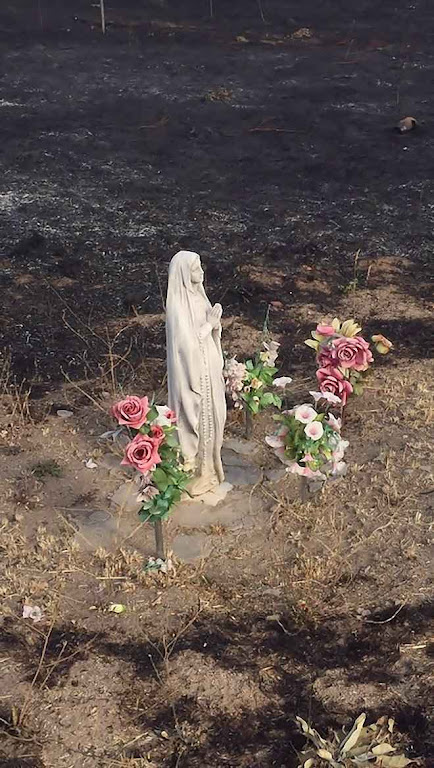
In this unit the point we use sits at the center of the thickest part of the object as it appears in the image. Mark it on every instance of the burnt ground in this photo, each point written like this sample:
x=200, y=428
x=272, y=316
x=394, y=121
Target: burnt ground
x=274, y=156
x=117, y=151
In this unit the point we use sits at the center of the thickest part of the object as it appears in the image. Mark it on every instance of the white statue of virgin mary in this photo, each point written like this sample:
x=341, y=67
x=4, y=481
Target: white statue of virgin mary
x=195, y=371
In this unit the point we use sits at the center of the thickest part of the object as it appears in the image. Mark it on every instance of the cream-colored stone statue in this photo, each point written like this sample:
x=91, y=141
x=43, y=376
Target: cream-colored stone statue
x=194, y=371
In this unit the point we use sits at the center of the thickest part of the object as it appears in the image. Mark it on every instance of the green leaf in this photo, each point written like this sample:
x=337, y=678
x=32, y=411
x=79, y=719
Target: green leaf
x=152, y=414
x=249, y=365
x=159, y=515
x=267, y=399
x=160, y=479
x=161, y=503
x=254, y=373
x=172, y=440
x=117, y=608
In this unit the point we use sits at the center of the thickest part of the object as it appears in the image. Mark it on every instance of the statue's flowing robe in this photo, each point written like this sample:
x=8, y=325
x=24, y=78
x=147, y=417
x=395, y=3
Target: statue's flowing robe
x=195, y=371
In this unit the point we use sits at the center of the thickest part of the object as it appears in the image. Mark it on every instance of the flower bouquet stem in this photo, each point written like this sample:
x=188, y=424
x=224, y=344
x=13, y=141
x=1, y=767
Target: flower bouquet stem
x=160, y=549
x=304, y=490
x=248, y=421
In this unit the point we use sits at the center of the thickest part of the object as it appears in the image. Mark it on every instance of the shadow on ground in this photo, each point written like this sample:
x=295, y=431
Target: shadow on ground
x=300, y=654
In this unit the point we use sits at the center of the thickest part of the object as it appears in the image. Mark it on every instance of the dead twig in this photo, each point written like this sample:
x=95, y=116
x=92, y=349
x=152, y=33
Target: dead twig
x=61, y=659
x=159, y=124
x=25, y=706
x=160, y=286
x=83, y=392
x=183, y=630
x=76, y=530
x=261, y=12
x=74, y=314
x=264, y=128
x=386, y=621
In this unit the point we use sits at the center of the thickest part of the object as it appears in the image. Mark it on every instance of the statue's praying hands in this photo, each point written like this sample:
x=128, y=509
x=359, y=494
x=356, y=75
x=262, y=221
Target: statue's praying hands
x=214, y=315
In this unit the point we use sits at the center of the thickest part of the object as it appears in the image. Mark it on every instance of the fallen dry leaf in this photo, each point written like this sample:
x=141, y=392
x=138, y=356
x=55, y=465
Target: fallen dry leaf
x=406, y=124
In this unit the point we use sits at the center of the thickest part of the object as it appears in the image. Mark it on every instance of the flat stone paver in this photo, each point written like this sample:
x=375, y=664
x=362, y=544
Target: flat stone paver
x=190, y=546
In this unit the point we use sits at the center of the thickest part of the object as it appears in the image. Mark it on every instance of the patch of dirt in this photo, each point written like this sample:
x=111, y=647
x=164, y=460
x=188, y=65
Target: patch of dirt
x=216, y=689
x=89, y=696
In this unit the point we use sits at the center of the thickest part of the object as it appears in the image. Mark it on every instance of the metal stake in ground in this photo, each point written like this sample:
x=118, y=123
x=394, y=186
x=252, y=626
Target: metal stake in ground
x=160, y=552
x=304, y=490
x=102, y=16
x=248, y=417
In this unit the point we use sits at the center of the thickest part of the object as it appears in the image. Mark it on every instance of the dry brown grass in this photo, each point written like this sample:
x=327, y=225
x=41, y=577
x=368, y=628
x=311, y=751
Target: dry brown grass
x=372, y=524
x=33, y=570
x=14, y=397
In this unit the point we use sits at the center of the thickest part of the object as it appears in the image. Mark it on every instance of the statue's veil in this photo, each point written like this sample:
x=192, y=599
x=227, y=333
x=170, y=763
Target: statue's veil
x=183, y=352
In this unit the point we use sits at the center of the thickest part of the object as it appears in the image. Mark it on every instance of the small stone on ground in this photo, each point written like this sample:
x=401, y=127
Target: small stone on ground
x=63, y=414
x=189, y=546
x=239, y=470
x=96, y=529
x=244, y=447
x=125, y=497
x=112, y=462
x=274, y=475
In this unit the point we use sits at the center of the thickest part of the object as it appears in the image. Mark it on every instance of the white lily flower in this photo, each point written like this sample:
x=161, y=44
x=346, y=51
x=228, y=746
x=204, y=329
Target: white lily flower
x=329, y=396
x=162, y=419
x=305, y=413
x=274, y=441
x=282, y=381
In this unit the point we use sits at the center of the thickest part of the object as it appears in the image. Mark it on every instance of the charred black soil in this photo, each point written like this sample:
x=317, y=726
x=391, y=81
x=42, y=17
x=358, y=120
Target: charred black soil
x=118, y=150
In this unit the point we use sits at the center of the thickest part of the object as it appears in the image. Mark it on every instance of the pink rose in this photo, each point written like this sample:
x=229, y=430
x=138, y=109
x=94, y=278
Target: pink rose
x=142, y=453
x=132, y=411
x=353, y=353
x=325, y=330
x=157, y=433
x=332, y=380
x=327, y=357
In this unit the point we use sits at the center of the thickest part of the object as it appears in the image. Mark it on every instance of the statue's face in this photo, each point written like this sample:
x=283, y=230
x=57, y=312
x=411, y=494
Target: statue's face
x=196, y=273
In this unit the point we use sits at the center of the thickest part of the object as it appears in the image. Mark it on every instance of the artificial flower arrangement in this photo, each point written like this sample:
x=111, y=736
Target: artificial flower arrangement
x=154, y=451
x=344, y=356
x=309, y=441
x=250, y=384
